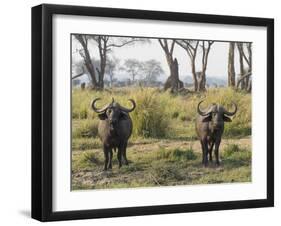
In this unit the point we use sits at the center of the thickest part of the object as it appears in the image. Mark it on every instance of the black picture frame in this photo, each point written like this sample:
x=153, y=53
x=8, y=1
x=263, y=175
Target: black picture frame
x=42, y=111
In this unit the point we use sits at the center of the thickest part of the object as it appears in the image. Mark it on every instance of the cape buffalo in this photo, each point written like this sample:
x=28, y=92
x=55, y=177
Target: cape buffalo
x=114, y=130
x=209, y=128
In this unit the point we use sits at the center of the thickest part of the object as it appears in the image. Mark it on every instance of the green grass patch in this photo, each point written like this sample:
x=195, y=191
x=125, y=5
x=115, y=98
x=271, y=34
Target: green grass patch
x=176, y=154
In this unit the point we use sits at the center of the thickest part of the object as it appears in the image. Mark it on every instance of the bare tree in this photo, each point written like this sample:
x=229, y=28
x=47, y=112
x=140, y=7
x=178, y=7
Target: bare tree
x=231, y=67
x=244, y=82
x=112, y=66
x=191, y=47
x=152, y=69
x=85, y=54
x=133, y=67
x=173, y=80
x=105, y=44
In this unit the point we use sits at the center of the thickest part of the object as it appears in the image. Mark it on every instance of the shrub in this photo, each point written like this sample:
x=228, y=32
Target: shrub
x=176, y=154
x=175, y=114
x=149, y=118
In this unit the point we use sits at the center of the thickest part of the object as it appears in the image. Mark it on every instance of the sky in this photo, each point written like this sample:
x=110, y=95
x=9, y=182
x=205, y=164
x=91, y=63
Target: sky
x=217, y=61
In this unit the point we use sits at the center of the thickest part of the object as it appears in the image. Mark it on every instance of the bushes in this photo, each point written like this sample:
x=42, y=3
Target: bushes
x=149, y=119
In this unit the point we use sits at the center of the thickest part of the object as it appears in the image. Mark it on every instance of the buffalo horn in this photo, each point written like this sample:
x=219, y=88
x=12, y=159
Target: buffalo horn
x=201, y=112
x=129, y=110
x=101, y=110
x=231, y=113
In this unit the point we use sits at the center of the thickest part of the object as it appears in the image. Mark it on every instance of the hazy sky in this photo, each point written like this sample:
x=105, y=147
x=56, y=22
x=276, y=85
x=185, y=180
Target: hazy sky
x=217, y=61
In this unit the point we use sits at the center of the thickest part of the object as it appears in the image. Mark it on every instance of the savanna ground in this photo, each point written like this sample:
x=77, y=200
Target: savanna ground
x=163, y=149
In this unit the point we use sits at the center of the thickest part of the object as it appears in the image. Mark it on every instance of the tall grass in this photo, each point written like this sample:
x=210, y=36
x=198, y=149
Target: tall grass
x=161, y=114
x=150, y=118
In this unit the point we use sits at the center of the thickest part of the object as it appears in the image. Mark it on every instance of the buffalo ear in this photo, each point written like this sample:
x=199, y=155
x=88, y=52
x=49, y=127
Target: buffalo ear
x=102, y=116
x=123, y=115
x=226, y=119
x=208, y=118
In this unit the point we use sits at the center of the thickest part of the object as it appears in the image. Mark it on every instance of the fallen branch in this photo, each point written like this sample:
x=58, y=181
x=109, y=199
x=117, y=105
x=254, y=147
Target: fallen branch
x=154, y=179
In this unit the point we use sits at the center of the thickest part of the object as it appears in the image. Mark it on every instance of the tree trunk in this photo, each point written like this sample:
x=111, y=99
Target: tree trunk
x=248, y=82
x=194, y=74
x=173, y=80
x=201, y=78
x=90, y=68
x=231, y=68
x=87, y=60
x=242, y=70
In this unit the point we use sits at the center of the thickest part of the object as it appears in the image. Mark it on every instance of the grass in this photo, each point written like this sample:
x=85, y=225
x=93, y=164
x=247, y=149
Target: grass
x=176, y=154
x=161, y=114
x=160, y=167
x=163, y=149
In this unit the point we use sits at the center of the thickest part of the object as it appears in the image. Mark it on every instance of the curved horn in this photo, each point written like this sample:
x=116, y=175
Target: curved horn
x=231, y=113
x=129, y=110
x=201, y=112
x=101, y=110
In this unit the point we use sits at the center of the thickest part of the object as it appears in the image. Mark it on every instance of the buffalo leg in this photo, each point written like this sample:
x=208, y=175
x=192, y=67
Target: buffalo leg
x=119, y=152
x=106, y=157
x=205, y=153
x=110, y=159
x=217, y=145
x=211, y=152
x=124, y=154
x=204, y=145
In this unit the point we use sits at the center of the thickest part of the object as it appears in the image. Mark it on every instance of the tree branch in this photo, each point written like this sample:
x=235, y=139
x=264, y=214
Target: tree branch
x=242, y=78
x=124, y=43
x=80, y=74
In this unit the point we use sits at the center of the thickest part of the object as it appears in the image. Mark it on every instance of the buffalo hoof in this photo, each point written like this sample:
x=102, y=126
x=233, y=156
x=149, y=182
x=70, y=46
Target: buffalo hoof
x=217, y=163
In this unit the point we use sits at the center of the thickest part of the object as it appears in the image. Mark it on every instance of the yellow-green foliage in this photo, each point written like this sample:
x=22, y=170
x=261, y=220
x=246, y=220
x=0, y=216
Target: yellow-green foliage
x=161, y=114
x=150, y=118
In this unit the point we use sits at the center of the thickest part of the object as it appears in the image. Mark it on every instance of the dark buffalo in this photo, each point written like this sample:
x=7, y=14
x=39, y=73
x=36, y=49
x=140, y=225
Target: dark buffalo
x=210, y=127
x=115, y=128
